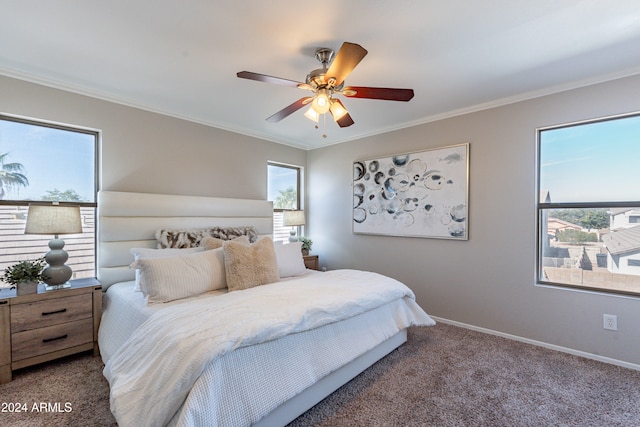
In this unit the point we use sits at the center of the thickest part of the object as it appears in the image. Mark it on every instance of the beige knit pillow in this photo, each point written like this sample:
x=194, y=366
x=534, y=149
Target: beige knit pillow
x=209, y=243
x=249, y=266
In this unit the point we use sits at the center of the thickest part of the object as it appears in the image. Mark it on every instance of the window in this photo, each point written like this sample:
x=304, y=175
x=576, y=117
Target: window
x=284, y=191
x=42, y=162
x=588, y=204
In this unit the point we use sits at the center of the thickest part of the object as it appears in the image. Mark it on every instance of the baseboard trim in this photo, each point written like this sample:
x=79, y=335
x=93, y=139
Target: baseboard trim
x=599, y=358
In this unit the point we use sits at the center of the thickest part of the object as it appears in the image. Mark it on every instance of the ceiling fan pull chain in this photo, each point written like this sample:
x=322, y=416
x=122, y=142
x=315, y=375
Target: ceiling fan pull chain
x=324, y=125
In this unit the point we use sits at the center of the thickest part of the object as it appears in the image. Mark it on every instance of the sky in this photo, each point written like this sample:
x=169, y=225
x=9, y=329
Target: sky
x=52, y=159
x=280, y=178
x=595, y=162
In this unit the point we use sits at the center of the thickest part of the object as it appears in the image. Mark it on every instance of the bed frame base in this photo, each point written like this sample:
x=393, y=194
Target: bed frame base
x=298, y=405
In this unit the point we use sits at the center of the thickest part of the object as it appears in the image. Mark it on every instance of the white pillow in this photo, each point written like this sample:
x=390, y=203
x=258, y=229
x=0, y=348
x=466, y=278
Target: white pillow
x=181, y=276
x=290, y=261
x=139, y=253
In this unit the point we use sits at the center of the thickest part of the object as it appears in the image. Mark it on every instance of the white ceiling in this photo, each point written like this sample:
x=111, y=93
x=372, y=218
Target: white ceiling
x=181, y=57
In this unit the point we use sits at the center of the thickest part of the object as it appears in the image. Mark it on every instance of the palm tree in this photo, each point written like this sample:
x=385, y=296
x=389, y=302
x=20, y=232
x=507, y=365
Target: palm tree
x=288, y=199
x=11, y=175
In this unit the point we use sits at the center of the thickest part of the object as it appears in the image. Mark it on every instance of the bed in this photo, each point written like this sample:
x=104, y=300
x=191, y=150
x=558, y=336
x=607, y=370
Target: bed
x=165, y=362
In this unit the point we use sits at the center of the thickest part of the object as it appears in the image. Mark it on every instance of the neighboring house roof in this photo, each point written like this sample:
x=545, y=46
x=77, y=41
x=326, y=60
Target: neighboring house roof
x=620, y=242
x=555, y=224
x=545, y=196
x=618, y=211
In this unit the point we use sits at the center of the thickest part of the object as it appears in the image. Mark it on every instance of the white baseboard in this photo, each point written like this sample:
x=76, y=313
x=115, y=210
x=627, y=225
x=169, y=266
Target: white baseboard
x=541, y=344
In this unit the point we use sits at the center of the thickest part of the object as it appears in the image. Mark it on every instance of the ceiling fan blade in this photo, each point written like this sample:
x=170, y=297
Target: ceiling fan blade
x=349, y=55
x=345, y=121
x=388, y=94
x=286, y=111
x=267, y=79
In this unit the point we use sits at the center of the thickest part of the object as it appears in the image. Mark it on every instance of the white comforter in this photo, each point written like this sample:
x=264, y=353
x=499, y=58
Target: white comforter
x=151, y=375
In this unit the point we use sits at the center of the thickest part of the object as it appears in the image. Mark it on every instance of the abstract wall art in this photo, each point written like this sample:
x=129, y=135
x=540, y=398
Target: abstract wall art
x=419, y=194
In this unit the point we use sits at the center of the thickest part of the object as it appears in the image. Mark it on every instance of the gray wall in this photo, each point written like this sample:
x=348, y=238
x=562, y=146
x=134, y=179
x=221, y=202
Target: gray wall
x=487, y=281
x=148, y=152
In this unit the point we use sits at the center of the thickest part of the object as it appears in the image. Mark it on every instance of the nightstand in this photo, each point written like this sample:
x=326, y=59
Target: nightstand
x=43, y=326
x=311, y=262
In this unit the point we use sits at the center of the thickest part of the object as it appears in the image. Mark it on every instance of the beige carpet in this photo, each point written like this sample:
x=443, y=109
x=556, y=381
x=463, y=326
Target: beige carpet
x=443, y=376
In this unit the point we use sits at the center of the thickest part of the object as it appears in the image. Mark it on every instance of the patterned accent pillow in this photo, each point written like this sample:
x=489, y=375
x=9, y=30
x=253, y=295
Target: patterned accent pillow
x=193, y=237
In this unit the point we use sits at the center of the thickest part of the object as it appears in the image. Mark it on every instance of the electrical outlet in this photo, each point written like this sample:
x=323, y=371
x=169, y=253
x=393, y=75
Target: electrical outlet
x=610, y=322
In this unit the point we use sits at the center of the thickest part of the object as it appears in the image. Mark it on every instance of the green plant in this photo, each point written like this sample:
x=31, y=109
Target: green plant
x=24, y=271
x=576, y=236
x=306, y=243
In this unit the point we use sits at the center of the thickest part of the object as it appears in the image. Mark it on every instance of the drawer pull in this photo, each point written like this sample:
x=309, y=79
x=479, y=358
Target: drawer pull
x=47, y=313
x=61, y=337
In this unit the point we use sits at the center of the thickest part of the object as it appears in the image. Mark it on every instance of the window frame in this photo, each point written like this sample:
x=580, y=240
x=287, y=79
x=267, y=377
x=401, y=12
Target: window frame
x=92, y=205
x=298, y=170
x=299, y=193
x=68, y=128
x=542, y=207
x=633, y=262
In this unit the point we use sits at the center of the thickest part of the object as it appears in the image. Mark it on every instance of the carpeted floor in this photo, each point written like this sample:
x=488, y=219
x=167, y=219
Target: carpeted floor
x=443, y=376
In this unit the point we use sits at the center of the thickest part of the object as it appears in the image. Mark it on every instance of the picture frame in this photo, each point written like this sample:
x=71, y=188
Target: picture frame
x=418, y=194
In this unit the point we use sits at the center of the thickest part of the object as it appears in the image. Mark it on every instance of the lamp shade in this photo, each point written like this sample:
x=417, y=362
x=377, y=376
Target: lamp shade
x=53, y=219
x=311, y=114
x=337, y=110
x=293, y=218
x=321, y=102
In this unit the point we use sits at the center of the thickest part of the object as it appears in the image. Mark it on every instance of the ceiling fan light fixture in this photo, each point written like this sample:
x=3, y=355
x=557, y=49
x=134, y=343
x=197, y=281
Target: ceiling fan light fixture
x=312, y=114
x=321, y=103
x=328, y=81
x=337, y=110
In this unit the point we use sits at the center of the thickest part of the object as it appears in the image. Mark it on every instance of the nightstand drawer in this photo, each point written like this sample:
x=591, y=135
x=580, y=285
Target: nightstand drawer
x=52, y=338
x=311, y=262
x=40, y=314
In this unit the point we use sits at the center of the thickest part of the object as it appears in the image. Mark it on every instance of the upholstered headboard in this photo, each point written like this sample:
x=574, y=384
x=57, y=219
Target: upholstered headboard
x=128, y=220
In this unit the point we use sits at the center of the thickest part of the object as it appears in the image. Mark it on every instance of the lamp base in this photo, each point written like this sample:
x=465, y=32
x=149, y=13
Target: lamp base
x=56, y=287
x=57, y=273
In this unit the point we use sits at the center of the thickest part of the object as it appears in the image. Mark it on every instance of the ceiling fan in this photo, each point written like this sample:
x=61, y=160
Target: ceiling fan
x=327, y=82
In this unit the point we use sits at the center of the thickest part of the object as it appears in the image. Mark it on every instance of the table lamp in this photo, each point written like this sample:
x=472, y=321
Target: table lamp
x=294, y=219
x=55, y=219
